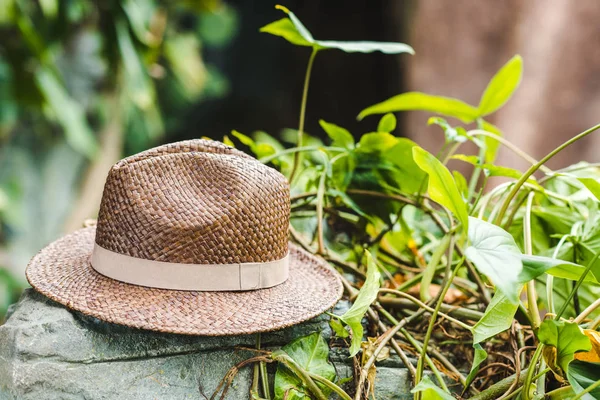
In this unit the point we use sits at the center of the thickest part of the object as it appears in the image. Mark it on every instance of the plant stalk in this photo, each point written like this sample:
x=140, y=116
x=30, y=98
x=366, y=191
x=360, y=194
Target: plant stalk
x=303, y=111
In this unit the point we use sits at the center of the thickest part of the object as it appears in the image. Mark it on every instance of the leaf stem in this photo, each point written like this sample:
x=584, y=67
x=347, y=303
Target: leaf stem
x=532, y=308
x=588, y=389
x=537, y=166
x=300, y=372
x=303, y=110
x=576, y=287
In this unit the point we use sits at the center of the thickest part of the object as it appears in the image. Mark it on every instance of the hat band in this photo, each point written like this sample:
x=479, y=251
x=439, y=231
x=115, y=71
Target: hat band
x=198, y=277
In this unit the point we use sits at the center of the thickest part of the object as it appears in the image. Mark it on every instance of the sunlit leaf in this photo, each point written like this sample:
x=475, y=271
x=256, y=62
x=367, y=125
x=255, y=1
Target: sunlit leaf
x=491, y=144
x=534, y=266
x=285, y=28
x=340, y=136
x=592, y=185
x=442, y=187
x=311, y=353
x=502, y=86
x=338, y=328
x=497, y=318
x=387, y=123
x=366, y=296
x=566, y=337
x=425, y=102
x=365, y=47
x=430, y=390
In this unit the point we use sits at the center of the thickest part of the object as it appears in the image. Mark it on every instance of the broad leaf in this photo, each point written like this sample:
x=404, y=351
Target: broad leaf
x=340, y=136
x=497, y=318
x=479, y=356
x=442, y=188
x=566, y=337
x=366, y=296
x=338, y=328
x=387, y=123
x=502, y=86
x=495, y=253
x=311, y=353
x=296, y=33
x=431, y=391
x=583, y=374
x=461, y=183
x=421, y=101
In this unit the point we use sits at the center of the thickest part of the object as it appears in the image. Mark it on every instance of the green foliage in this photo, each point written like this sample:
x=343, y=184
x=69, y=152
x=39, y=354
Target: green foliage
x=501, y=87
x=479, y=356
x=498, y=317
x=566, y=338
x=367, y=295
x=296, y=33
x=430, y=391
x=311, y=353
x=582, y=375
x=442, y=187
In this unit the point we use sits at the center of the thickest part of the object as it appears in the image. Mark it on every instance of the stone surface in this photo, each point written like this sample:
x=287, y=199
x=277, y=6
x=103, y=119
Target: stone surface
x=48, y=352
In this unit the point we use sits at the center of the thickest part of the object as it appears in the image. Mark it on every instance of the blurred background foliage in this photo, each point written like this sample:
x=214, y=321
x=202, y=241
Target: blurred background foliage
x=84, y=83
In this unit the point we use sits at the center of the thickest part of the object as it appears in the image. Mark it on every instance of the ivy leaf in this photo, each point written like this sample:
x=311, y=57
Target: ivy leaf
x=583, y=374
x=479, y=357
x=501, y=87
x=311, y=353
x=431, y=391
x=442, y=187
x=387, y=123
x=366, y=296
x=409, y=101
x=296, y=33
x=566, y=338
x=497, y=318
x=340, y=136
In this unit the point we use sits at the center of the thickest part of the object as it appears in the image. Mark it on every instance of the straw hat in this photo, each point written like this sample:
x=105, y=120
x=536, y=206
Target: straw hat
x=191, y=238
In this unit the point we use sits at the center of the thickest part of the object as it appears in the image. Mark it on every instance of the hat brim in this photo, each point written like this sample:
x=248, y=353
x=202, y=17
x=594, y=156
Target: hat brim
x=62, y=271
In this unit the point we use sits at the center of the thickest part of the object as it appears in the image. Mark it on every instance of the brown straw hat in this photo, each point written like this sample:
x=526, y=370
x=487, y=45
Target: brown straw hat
x=192, y=238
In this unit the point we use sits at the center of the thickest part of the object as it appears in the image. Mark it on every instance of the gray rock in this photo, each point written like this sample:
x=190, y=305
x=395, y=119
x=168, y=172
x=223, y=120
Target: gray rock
x=49, y=352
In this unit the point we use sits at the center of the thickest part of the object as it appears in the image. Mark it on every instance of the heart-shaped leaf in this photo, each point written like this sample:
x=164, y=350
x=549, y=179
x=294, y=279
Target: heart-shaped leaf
x=566, y=337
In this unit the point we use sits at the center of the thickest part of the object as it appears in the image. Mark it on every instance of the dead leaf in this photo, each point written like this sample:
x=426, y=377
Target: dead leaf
x=594, y=354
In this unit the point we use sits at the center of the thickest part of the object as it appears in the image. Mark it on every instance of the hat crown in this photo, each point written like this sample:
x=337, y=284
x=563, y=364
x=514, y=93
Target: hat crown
x=195, y=202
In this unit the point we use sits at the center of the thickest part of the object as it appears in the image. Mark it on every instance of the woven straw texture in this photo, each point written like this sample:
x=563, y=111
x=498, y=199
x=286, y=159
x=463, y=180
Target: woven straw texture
x=62, y=271
x=193, y=202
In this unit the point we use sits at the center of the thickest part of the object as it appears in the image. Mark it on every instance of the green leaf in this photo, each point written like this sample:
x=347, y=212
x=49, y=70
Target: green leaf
x=338, y=328
x=583, y=374
x=259, y=149
x=497, y=318
x=566, y=337
x=340, y=136
x=592, y=185
x=491, y=144
x=457, y=134
x=502, y=86
x=311, y=353
x=432, y=265
x=68, y=112
x=285, y=28
x=376, y=142
x=296, y=33
x=387, y=123
x=479, y=356
x=183, y=54
x=534, y=266
x=442, y=187
x=425, y=102
x=366, y=296
x=431, y=391
x=365, y=47
x=495, y=253
x=461, y=183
